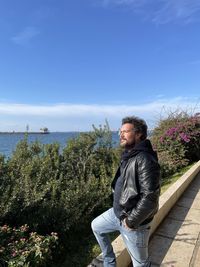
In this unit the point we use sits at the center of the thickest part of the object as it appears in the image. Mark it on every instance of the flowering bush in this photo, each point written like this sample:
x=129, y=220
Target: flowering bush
x=19, y=247
x=177, y=140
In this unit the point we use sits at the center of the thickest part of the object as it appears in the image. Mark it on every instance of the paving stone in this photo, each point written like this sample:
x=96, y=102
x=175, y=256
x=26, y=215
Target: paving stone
x=197, y=259
x=196, y=254
x=168, y=252
x=190, y=194
x=196, y=181
x=194, y=187
x=189, y=202
x=185, y=231
x=158, y=248
x=195, y=184
x=181, y=252
x=180, y=213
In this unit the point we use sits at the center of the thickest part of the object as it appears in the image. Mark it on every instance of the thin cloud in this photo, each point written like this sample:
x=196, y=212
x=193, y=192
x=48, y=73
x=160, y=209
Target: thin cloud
x=79, y=117
x=161, y=11
x=133, y=3
x=25, y=36
x=80, y=110
x=184, y=10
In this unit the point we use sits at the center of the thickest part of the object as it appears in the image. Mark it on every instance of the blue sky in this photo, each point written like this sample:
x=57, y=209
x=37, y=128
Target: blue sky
x=69, y=64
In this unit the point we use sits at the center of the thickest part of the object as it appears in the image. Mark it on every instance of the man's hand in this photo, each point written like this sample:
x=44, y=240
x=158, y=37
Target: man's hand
x=125, y=225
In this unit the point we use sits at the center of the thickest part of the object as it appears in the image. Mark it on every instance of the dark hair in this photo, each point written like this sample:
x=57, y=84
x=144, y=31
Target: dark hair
x=140, y=125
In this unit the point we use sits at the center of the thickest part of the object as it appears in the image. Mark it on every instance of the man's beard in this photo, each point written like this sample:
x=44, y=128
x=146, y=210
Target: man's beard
x=127, y=146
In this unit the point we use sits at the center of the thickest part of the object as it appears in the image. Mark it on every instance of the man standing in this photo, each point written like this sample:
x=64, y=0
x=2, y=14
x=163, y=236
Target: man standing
x=136, y=189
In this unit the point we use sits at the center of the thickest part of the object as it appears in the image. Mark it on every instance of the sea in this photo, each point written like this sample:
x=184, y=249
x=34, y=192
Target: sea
x=8, y=141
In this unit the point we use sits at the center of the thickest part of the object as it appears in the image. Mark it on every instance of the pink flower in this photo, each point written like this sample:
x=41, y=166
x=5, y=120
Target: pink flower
x=171, y=131
x=161, y=139
x=4, y=228
x=24, y=228
x=54, y=233
x=14, y=254
x=184, y=137
x=2, y=249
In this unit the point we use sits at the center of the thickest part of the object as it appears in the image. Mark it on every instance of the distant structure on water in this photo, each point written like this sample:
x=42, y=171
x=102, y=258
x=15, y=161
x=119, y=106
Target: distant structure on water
x=44, y=130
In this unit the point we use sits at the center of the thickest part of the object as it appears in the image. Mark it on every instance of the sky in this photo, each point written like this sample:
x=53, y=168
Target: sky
x=68, y=64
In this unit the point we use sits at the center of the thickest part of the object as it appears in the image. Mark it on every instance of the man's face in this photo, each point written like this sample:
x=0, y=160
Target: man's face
x=128, y=137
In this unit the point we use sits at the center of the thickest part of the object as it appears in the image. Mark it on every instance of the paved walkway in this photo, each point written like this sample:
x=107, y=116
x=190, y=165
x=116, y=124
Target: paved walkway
x=176, y=242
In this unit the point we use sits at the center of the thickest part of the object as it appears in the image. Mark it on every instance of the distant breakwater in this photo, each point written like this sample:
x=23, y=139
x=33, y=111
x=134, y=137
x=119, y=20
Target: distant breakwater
x=24, y=133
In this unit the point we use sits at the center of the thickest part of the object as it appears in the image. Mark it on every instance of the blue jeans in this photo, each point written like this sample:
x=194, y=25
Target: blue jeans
x=136, y=241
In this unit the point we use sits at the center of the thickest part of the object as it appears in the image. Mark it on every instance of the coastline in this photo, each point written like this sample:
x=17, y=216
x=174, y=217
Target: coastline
x=24, y=132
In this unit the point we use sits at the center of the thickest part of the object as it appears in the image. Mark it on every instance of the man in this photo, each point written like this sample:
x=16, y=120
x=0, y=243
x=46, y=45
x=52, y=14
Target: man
x=136, y=189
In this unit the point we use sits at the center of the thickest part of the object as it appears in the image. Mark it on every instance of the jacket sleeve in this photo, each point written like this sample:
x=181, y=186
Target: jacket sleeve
x=148, y=176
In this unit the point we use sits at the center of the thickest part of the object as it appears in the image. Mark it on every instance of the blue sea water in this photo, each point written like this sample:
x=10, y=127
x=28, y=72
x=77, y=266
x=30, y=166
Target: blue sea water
x=8, y=142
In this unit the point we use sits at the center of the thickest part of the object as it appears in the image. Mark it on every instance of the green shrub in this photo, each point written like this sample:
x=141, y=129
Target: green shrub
x=53, y=191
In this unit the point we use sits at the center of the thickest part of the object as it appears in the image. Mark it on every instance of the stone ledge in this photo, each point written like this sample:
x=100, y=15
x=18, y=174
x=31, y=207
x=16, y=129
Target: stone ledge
x=166, y=202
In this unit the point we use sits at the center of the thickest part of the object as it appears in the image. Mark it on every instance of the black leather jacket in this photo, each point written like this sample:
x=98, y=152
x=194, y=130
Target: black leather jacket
x=141, y=187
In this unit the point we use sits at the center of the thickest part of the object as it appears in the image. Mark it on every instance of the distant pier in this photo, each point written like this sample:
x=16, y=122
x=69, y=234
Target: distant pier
x=44, y=130
x=24, y=132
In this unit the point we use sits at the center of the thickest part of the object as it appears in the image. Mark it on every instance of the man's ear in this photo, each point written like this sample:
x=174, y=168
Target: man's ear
x=138, y=136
